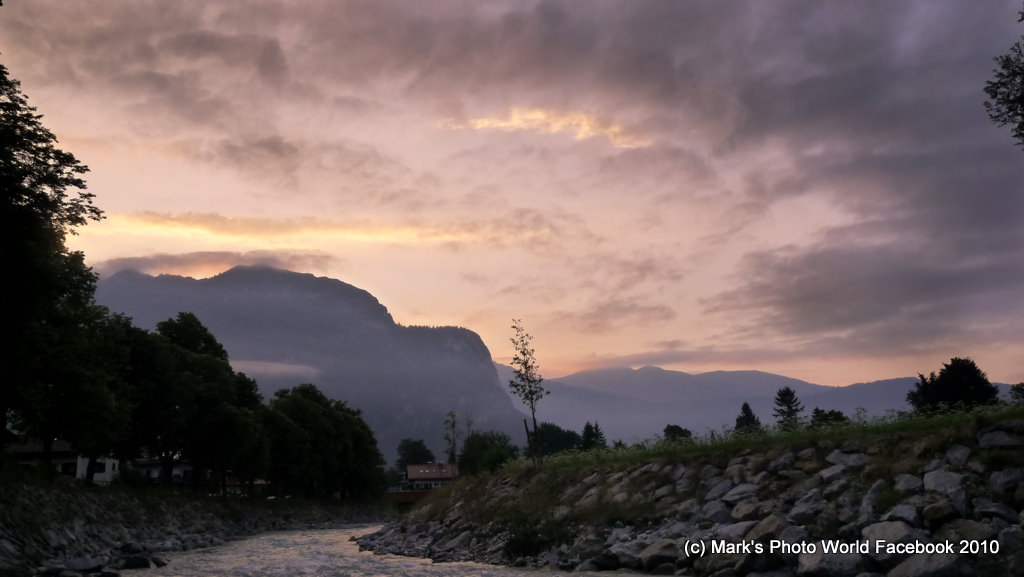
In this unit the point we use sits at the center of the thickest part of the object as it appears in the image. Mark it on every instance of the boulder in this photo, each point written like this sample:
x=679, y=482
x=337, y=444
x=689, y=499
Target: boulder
x=739, y=493
x=1004, y=481
x=906, y=484
x=999, y=440
x=891, y=532
x=718, y=490
x=832, y=473
x=659, y=553
x=849, y=460
x=957, y=455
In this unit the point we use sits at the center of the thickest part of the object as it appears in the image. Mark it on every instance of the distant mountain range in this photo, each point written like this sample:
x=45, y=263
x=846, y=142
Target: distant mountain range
x=285, y=328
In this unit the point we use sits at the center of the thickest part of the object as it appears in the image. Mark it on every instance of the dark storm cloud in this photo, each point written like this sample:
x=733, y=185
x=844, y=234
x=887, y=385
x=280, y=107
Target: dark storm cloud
x=875, y=105
x=614, y=313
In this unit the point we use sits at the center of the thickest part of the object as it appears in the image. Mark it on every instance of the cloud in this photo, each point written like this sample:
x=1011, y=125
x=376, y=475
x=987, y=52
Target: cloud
x=209, y=263
x=578, y=124
x=613, y=313
x=875, y=299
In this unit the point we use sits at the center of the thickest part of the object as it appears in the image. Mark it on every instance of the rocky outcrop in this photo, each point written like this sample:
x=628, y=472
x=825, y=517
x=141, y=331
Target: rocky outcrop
x=946, y=504
x=60, y=529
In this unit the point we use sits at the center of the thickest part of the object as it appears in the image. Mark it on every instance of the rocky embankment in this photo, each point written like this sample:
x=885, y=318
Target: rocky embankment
x=939, y=504
x=69, y=531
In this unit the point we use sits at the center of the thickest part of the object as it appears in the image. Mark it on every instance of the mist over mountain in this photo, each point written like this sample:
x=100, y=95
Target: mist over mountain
x=636, y=404
x=285, y=328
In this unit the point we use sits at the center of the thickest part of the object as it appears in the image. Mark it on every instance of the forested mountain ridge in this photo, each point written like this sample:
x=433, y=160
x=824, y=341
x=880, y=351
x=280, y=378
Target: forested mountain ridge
x=284, y=328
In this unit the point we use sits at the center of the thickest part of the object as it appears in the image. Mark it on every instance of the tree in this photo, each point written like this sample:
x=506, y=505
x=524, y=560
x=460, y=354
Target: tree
x=959, y=384
x=413, y=452
x=1017, y=394
x=821, y=418
x=787, y=409
x=1006, y=89
x=526, y=382
x=592, y=437
x=550, y=439
x=677, y=433
x=42, y=199
x=188, y=333
x=486, y=451
x=747, y=422
x=451, y=436
x=321, y=447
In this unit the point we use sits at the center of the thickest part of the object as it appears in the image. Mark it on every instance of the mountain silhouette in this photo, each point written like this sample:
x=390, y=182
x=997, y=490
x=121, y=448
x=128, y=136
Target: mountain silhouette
x=285, y=328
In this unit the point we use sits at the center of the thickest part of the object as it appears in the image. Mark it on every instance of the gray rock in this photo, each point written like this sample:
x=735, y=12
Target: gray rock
x=783, y=462
x=906, y=484
x=836, y=488
x=688, y=508
x=986, y=508
x=734, y=532
x=999, y=439
x=716, y=512
x=903, y=512
x=937, y=512
x=807, y=506
x=949, y=484
x=943, y=481
x=718, y=490
x=750, y=510
x=958, y=529
x=849, y=460
x=891, y=532
x=659, y=553
x=768, y=528
x=867, y=504
x=85, y=564
x=832, y=473
x=1004, y=481
x=627, y=553
x=739, y=493
x=957, y=455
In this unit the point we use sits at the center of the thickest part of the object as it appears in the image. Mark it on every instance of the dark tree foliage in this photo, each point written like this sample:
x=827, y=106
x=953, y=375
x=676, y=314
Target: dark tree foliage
x=960, y=384
x=677, y=433
x=1006, y=89
x=551, y=439
x=747, y=422
x=188, y=333
x=1017, y=394
x=592, y=437
x=42, y=200
x=321, y=447
x=821, y=418
x=413, y=452
x=485, y=451
x=787, y=409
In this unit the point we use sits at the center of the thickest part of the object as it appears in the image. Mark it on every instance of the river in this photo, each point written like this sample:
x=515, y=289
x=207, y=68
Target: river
x=326, y=553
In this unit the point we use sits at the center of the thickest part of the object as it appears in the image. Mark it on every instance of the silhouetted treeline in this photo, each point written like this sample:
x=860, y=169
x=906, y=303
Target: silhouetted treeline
x=76, y=372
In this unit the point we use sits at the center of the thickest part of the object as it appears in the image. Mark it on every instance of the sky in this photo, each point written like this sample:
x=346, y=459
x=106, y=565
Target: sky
x=811, y=188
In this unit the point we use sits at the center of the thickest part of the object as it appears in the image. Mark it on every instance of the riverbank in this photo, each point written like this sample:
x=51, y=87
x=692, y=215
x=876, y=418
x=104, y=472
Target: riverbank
x=774, y=510
x=55, y=527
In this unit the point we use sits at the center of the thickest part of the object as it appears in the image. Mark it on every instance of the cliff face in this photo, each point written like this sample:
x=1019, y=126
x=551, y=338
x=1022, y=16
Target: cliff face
x=946, y=503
